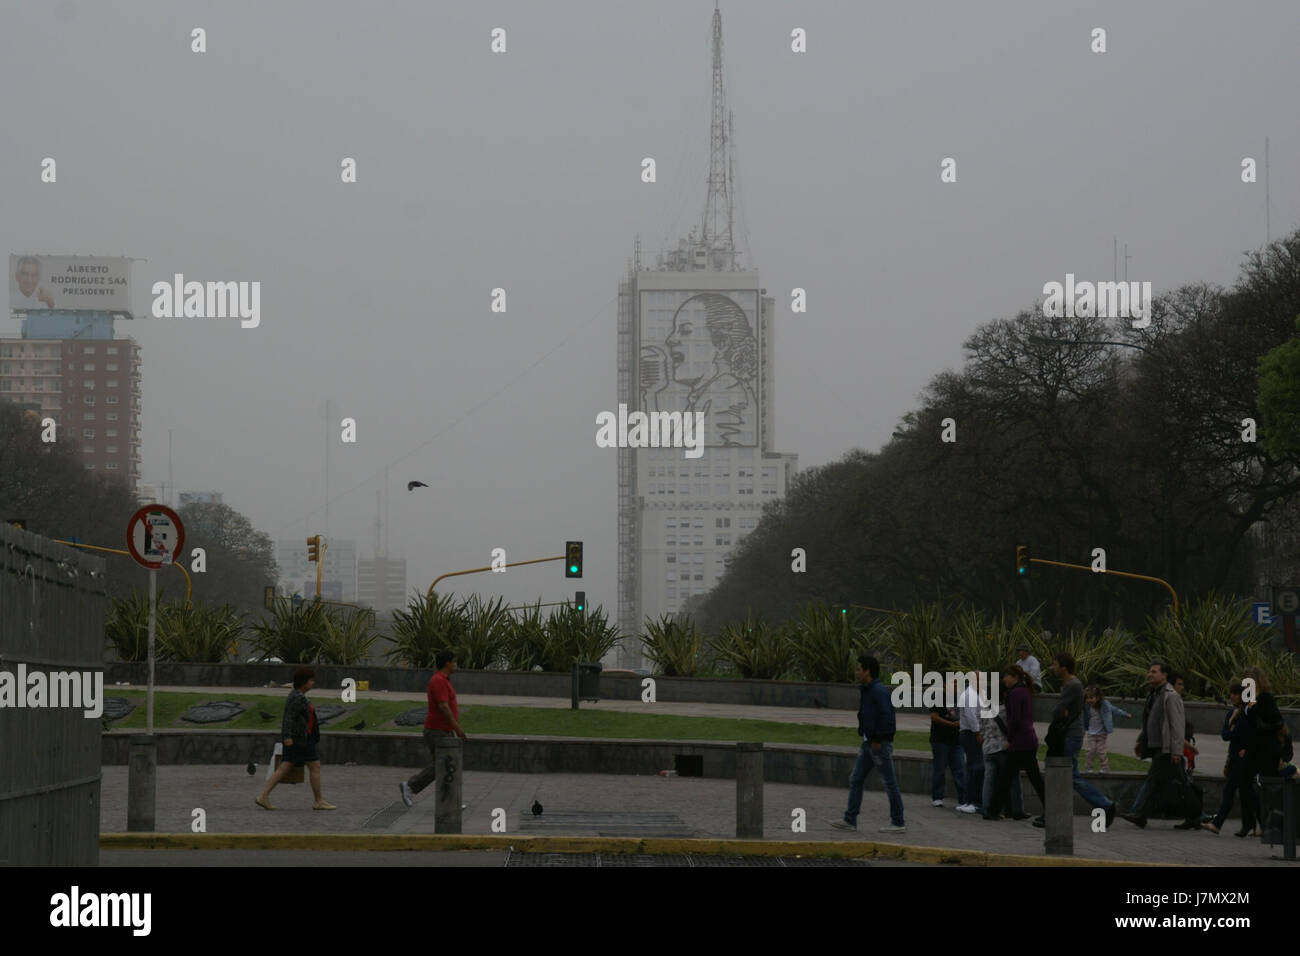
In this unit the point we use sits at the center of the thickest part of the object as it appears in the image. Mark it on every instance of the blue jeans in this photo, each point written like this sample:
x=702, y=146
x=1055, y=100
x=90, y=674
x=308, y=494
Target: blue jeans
x=948, y=756
x=995, y=765
x=868, y=758
x=1083, y=788
x=974, y=769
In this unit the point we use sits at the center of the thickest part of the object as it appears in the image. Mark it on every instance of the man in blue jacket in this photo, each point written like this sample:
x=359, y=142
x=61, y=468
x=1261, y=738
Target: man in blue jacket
x=876, y=728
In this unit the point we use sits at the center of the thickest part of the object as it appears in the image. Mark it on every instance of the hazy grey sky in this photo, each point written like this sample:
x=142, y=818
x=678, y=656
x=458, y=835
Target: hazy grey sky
x=522, y=171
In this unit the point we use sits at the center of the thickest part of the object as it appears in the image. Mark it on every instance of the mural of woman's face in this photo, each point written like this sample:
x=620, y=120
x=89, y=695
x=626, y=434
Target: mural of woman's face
x=686, y=332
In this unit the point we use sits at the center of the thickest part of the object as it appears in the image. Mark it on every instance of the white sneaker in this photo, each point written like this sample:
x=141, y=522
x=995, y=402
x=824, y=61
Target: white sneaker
x=406, y=794
x=893, y=829
x=966, y=808
x=937, y=803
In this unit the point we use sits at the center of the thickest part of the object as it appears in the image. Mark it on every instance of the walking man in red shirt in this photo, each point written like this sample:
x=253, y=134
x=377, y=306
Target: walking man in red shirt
x=441, y=721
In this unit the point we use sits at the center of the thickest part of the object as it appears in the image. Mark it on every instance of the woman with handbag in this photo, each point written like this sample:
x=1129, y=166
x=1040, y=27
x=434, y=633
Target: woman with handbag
x=301, y=733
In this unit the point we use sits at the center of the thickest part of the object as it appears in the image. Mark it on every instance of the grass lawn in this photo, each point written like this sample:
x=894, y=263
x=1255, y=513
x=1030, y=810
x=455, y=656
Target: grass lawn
x=528, y=721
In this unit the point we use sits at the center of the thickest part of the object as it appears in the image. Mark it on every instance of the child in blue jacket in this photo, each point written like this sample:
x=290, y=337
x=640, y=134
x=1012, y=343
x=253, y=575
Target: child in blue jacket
x=1098, y=721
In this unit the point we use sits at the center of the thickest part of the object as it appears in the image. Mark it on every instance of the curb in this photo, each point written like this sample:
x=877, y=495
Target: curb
x=624, y=845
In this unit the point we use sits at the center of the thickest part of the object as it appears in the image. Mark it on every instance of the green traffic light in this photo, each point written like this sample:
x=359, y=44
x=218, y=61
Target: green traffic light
x=573, y=568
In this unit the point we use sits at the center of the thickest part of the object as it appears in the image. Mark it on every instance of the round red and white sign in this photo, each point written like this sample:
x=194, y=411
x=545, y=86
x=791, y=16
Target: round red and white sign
x=155, y=536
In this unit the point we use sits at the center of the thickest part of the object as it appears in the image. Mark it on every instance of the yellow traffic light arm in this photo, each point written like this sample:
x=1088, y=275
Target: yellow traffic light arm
x=512, y=564
x=1122, y=574
x=95, y=547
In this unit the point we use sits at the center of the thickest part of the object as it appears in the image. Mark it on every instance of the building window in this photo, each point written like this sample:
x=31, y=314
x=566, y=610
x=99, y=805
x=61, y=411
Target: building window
x=88, y=384
x=671, y=542
x=672, y=559
x=111, y=383
x=111, y=416
x=110, y=433
x=88, y=433
x=699, y=577
x=111, y=450
x=90, y=400
x=110, y=400
x=111, y=350
x=88, y=416
x=88, y=350
x=111, y=466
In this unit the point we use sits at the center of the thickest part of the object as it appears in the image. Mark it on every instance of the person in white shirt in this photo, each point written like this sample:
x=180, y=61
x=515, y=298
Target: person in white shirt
x=1029, y=664
x=969, y=706
x=30, y=294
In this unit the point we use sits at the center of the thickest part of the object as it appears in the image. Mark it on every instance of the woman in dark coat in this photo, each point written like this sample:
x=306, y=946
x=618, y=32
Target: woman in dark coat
x=1238, y=729
x=1263, y=750
x=301, y=732
x=1022, y=741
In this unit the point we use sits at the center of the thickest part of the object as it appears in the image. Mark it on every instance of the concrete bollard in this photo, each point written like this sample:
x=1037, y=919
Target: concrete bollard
x=142, y=783
x=1058, y=835
x=749, y=791
x=448, y=755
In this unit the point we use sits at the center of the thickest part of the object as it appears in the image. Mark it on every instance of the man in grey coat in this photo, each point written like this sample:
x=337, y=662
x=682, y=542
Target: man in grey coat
x=1161, y=739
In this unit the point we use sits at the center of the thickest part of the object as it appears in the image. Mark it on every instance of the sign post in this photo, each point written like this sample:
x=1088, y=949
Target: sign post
x=1285, y=604
x=154, y=535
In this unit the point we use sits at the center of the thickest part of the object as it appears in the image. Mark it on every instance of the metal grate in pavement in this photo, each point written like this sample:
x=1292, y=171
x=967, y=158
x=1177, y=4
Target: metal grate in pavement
x=386, y=817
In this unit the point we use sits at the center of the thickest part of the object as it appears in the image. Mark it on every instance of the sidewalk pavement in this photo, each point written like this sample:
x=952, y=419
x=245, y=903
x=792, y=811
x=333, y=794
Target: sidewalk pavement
x=622, y=805
x=1213, y=751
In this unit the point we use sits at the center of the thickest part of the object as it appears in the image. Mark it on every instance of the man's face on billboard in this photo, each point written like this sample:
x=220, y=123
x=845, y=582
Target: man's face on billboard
x=29, y=275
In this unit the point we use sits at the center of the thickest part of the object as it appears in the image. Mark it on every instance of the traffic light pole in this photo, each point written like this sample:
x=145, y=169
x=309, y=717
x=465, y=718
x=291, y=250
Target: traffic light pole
x=512, y=564
x=1122, y=574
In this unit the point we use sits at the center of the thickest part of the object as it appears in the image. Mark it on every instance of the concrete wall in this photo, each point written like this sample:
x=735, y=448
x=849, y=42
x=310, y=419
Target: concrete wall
x=783, y=763
x=1207, y=718
x=50, y=621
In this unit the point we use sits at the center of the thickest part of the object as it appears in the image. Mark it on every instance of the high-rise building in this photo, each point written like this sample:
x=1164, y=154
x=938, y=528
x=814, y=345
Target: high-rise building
x=695, y=336
x=381, y=584
x=338, y=574
x=200, y=498
x=89, y=386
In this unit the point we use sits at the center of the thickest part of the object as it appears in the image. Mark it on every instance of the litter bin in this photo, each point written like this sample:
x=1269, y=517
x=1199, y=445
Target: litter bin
x=589, y=681
x=1279, y=813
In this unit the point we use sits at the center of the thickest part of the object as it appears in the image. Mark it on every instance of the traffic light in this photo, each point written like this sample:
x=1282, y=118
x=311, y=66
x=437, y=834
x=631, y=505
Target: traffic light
x=573, y=559
x=1022, y=561
x=580, y=602
x=313, y=548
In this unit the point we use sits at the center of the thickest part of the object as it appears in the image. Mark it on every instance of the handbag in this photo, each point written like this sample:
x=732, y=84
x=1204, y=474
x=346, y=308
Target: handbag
x=295, y=775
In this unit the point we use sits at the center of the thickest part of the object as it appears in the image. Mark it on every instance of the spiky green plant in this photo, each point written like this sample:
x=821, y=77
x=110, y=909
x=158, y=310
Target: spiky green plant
x=754, y=649
x=126, y=627
x=1102, y=659
x=427, y=626
x=1210, y=643
x=198, y=633
x=348, y=636
x=824, y=642
x=674, y=645
x=917, y=637
x=573, y=636
x=293, y=634
x=525, y=638
x=482, y=643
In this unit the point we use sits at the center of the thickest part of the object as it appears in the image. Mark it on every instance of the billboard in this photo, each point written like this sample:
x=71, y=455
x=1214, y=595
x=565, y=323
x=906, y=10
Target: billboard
x=699, y=352
x=69, y=283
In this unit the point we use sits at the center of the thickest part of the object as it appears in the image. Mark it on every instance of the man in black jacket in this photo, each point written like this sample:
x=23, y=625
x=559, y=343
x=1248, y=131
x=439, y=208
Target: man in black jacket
x=876, y=727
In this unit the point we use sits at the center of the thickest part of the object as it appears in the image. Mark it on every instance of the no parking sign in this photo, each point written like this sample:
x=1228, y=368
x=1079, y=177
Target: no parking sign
x=155, y=536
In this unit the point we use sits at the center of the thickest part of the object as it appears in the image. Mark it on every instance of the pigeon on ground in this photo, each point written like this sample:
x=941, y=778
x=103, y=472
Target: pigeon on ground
x=415, y=484
x=537, y=809
x=265, y=716
x=359, y=725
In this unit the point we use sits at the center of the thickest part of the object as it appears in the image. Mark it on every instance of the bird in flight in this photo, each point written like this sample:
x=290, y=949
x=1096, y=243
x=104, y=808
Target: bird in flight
x=415, y=484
